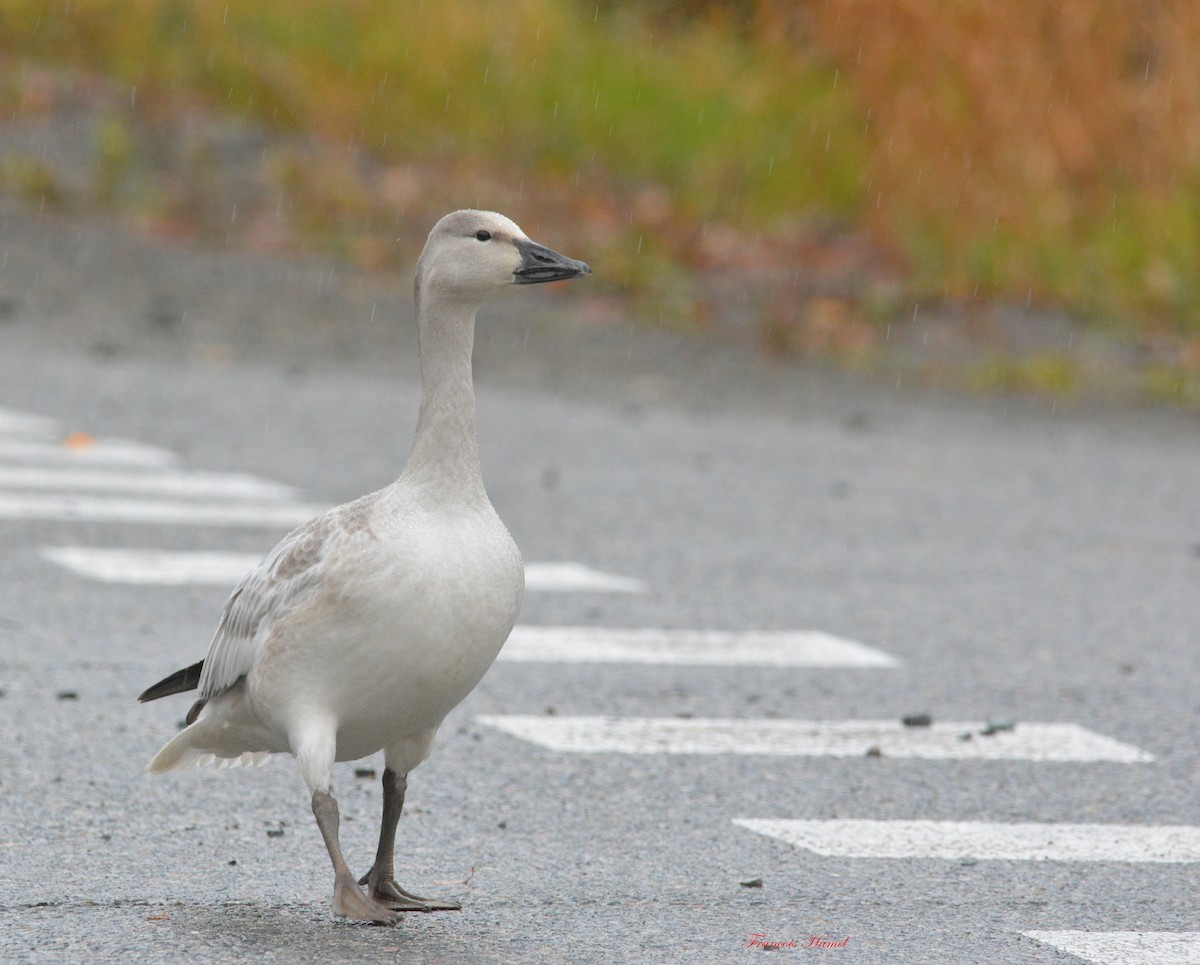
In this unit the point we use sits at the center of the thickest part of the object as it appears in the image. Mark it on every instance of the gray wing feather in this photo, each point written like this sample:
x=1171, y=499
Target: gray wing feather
x=283, y=581
x=280, y=583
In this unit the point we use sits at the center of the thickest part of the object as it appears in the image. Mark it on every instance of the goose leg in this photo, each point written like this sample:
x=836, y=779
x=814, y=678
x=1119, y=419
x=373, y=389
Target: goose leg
x=381, y=885
x=348, y=898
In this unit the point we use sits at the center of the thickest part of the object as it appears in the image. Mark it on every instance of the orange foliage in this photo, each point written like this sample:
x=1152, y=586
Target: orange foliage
x=1032, y=113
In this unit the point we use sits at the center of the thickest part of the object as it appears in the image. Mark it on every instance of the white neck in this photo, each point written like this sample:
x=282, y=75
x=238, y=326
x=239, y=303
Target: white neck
x=445, y=452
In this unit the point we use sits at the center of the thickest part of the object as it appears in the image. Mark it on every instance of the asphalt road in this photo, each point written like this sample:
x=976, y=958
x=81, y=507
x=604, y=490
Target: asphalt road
x=1019, y=561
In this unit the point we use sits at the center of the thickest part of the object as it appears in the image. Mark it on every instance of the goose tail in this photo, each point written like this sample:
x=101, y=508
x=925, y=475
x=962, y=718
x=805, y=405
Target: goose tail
x=205, y=743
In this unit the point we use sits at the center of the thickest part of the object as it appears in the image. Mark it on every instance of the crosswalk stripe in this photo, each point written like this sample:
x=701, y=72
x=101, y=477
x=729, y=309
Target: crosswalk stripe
x=13, y=423
x=117, y=452
x=1125, y=947
x=813, y=738
x=783, y=648
x=203, y=567
x=566, y=577
x=154, y=567
x=165, y=483
x=55, y=506
x=980, y=840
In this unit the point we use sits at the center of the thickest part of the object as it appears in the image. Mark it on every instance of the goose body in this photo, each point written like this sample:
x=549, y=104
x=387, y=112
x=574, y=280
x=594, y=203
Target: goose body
x=365, y=626
x=382, y=615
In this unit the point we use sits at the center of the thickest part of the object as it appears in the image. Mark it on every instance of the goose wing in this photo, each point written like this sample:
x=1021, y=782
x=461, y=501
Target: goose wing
x=293, y=572
x=283, y=581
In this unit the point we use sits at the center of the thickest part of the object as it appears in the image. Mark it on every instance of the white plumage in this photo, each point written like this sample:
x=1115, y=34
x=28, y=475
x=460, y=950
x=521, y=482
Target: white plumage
x=363, y=628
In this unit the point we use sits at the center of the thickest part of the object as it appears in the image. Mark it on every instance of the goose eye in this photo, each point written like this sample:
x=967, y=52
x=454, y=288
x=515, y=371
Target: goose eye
x=483, y=235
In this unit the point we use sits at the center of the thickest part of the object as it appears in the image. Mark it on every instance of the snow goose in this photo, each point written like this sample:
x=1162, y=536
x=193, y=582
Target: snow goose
x=363, y=628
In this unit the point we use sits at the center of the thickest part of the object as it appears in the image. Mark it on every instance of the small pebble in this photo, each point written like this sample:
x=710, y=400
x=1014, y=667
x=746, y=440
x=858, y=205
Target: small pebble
x=917, y=720
x=364, y=772
x=233, y=861
x=874, y=751
x=997, y=726
x=67, y=695
x=752, y=883
x=274, y=832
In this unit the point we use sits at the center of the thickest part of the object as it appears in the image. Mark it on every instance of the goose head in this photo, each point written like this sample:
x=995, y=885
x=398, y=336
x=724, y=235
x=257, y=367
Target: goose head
x=473, y=255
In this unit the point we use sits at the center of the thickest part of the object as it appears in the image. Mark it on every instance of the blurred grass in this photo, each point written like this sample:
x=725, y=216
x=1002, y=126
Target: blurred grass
x=1043, y=152
x=1046, y=149
x=629, y=130
x=1048, y=373
x=736, y=130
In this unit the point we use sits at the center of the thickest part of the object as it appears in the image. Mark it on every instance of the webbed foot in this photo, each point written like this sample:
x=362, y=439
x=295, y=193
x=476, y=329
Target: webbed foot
x=350, y=902
x=387, y=893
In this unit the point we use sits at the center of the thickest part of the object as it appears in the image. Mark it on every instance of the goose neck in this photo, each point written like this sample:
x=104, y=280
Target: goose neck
x=445, y=453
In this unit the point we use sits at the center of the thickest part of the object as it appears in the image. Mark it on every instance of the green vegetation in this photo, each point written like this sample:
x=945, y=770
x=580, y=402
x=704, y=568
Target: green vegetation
x=1043, y=152
x=1045, y=373
x=30, y=178
x=738, y=131
x=631, y=132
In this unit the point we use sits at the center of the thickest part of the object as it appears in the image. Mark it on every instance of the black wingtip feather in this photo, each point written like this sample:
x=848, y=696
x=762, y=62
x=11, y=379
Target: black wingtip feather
x=179, y=682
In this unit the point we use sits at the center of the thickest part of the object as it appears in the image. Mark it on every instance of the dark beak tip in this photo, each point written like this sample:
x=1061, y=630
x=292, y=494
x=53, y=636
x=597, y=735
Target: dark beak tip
x=541, y=264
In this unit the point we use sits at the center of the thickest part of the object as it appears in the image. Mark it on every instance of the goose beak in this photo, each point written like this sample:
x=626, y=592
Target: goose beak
x=539, y=264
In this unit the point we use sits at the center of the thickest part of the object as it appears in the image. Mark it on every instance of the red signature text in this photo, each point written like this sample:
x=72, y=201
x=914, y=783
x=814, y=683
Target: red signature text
x=760, y=940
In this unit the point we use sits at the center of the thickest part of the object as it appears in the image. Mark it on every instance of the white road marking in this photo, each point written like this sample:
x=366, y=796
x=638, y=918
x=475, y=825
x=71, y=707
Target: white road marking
x=117, y=452
x=165, y=483
x=175, y=568
x=1125, y=947
x=812, y=738
x=568, y=577
x=951, y=840
x=767, y=648
x=70, y=470
x=155, y=567
x=13, y=423
x=104, y=509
